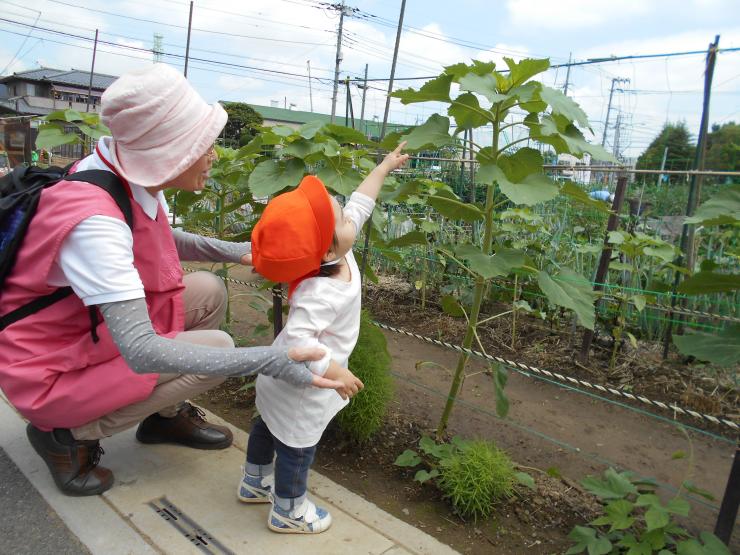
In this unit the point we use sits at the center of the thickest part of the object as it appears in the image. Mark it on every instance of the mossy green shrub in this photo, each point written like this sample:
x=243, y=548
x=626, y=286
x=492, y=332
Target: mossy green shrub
x=371, y=362
x=475, y=477
x=472, y=475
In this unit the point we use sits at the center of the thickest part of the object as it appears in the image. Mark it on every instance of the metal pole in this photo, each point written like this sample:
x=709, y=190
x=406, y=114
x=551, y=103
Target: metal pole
x=382, y=129
x=187, y=44
x=606, y=254
x=687, y=232
x=92, y=69
x=277, y=309
x=336, y=65
x=346, y=102
x=567, y=74
x=608, y=109
x=364, y=94
x=662, y=166
x=310, y=90
x=730, y=501
x=393, y=69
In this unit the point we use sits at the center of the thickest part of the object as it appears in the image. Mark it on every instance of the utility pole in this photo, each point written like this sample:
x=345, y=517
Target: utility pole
x=567, y=74
x=310, y=91
x=364, y=94
x=385, y=123
x=157, y=50
x=187, y=44
x=687, y=233
x=609, y=106
x=92, y=69
x=338, y=59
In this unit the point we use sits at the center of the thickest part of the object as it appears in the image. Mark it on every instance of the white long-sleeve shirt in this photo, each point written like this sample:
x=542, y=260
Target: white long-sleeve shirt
x=324, y=312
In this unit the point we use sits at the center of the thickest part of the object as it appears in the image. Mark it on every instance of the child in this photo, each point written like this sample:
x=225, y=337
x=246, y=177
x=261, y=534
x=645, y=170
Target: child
x=305, y=238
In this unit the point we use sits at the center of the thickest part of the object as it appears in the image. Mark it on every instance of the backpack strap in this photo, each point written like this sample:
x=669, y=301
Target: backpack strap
x=112, y=184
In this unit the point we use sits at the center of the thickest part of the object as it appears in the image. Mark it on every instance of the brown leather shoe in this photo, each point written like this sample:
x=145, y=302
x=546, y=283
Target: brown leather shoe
x=187, y=428
x=73, y=464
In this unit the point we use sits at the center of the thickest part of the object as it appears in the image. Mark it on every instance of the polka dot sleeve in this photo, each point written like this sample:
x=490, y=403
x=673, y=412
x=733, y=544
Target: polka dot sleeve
x=146, y=352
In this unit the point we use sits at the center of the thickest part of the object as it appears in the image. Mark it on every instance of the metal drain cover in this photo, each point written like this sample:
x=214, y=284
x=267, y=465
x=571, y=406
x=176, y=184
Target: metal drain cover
x=194, y=533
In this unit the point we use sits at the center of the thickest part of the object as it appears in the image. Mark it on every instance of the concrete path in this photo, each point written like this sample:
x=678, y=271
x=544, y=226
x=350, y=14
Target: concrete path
x=170, y=499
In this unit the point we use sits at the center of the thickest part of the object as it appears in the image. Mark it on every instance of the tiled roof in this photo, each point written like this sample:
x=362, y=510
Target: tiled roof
x=370, y=127
x=74, y=77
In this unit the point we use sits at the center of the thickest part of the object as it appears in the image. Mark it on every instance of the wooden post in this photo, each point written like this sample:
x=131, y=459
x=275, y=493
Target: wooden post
x=730, y=500
x=606, y=254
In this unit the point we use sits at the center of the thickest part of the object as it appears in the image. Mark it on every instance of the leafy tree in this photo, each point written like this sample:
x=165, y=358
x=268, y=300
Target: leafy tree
x=243, y=123
x=723, y=147
x=677, y=138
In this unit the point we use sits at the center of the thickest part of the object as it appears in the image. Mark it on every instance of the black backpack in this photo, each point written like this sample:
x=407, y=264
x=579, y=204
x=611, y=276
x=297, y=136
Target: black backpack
x=20, y=192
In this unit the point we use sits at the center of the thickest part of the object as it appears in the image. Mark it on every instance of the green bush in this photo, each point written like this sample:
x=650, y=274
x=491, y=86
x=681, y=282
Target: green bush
x=370, y=362
x=475, y=477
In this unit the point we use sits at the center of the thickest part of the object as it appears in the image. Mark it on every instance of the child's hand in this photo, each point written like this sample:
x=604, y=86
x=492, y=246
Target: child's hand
x=395, y=159
x=351, y=384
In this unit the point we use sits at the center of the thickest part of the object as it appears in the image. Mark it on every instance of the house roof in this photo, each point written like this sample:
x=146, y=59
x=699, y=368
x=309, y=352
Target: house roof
x=369, y=127
x=74, y=77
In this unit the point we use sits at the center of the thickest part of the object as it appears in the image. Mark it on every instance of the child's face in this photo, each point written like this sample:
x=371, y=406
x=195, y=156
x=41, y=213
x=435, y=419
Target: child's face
x=345, y=232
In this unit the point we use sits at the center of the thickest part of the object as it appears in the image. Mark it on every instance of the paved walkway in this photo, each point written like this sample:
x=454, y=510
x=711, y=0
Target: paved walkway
x=169, y=499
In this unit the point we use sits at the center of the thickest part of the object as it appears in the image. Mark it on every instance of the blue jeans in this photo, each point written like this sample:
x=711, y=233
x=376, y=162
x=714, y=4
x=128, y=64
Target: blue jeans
x=291, y=464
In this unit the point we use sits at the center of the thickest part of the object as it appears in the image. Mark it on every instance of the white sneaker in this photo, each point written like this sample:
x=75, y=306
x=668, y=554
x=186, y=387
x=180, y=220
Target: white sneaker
x=307, y=518
x=255, y=489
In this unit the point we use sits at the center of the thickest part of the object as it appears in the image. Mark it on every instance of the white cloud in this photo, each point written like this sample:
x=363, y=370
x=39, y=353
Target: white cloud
x=573, y=14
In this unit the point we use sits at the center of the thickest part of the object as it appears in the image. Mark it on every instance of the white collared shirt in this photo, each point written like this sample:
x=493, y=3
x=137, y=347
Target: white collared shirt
x=96, y=258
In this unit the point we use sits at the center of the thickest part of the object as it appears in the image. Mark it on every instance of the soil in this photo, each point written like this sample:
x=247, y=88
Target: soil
x=548, y=428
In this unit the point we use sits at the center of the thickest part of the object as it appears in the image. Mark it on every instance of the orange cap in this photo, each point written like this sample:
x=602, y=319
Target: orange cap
x=293, y=234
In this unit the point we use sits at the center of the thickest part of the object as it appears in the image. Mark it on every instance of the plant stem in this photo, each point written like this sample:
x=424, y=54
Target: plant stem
x=480, y=286
x=514, y=311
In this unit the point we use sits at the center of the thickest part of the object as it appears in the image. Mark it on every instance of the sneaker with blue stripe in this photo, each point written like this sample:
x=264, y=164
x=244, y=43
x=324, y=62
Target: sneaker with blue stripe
x=307, y=518
x=255, y=489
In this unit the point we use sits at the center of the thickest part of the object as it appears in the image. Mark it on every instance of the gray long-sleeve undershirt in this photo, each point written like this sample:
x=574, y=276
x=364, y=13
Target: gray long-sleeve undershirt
x=146, y=352
x=207, y=249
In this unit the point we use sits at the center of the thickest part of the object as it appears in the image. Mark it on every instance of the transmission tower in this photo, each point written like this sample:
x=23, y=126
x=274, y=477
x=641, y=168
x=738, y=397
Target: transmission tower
x=157, y=50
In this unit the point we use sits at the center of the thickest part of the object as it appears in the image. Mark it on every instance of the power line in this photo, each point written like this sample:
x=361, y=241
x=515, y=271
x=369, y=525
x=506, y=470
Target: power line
x=222, y=33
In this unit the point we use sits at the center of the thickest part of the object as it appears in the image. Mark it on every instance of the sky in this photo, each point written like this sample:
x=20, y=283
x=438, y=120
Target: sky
x=258, y=51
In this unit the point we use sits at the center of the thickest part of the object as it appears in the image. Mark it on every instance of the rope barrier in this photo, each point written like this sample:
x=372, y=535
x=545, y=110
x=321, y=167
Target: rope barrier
x=523, y=368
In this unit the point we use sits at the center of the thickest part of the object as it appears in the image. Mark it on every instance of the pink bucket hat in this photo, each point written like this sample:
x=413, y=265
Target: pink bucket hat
x=160, y=124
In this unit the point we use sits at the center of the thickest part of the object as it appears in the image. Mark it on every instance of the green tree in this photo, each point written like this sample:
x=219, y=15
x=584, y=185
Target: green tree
x=244, y=122
x=677, y=138
x=723, y=147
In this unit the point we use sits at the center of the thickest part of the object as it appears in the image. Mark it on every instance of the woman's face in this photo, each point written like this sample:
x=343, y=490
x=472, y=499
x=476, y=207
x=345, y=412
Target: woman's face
x=195, y=177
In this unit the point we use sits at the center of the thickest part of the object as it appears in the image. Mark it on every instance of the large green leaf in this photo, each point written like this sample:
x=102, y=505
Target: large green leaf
x=526, y=68
x=309, y=130
x=614, y=485
x=570, y=290
x=722, y=208
x=587, y=540
x=564, y=105
x=51, y=135
x=451, y=306
x=410, y=238
x=303, y=148
x=435, y=132
x=703, y=283
x=438, y=89
x=487, y=266
x=346, y=134
x=565, y=137
x=272, y=176
x=455, y=209
x=521, y=163
x=722, y=348
x=485, y=85
x=468, y=113
x=533, y=189
x=341, y=178
x=573, y=191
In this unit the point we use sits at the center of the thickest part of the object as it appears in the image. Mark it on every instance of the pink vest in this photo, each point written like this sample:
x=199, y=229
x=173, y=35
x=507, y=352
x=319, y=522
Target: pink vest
x=50, y=368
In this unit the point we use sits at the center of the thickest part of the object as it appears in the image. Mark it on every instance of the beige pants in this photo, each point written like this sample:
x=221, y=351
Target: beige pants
x=205, y=306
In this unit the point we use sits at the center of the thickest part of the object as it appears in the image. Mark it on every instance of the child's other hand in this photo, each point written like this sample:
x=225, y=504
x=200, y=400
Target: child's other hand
x=395, y=159
x=351, y=384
